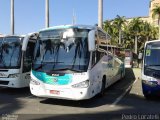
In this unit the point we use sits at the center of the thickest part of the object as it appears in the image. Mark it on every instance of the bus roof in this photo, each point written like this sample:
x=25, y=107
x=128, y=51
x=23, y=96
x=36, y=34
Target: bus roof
x=152, y=41
x=14, y=36
x=69, y=26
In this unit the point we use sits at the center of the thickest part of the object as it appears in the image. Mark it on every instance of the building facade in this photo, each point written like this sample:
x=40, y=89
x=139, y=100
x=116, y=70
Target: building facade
x=152, y=5
x=150, y=19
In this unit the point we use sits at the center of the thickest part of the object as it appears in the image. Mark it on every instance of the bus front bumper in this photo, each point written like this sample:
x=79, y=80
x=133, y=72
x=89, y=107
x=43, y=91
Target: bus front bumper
x=50, y=91
x=13, y=82
x=151, y=88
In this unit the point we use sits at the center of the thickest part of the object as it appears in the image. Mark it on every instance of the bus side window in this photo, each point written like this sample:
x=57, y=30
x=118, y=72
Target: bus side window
x=28, y=56
x=93, y=58
x=98, y=56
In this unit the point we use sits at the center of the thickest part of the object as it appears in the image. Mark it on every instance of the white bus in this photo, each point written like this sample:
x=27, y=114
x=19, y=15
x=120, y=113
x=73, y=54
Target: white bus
x=70, y=64
x=128, y=58
x=16, y=54
x=151, y=69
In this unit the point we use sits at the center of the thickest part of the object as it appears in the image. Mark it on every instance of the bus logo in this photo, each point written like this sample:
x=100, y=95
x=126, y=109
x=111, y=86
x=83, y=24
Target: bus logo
x=55, y=75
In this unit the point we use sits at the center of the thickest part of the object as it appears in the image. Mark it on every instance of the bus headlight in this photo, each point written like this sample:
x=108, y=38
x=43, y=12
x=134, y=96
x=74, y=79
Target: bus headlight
x=14, y=75
x=34, y=82
x=83, y=84
x=150, y=83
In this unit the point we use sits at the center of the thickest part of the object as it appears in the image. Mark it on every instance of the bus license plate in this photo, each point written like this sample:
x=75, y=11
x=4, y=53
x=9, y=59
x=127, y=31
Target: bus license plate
x=54, y=92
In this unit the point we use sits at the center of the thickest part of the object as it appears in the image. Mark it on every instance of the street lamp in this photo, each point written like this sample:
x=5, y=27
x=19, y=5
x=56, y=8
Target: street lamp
x=47, y=14
x=12, y=17
x=100, y=13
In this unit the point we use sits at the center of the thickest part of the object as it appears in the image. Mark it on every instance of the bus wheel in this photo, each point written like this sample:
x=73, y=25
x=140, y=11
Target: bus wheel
x=147, y=96
x=102, y=92
x=122, y=75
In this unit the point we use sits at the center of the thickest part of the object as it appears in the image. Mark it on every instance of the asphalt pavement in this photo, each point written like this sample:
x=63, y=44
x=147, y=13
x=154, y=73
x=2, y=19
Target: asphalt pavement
x=123, y=100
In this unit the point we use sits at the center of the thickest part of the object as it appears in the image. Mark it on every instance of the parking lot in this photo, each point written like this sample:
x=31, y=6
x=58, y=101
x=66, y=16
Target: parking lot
x=123, y=100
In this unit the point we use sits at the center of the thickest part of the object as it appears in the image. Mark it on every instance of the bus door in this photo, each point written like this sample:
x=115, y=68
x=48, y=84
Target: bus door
x=27, y=61
x=96, y=71
x=110, y=69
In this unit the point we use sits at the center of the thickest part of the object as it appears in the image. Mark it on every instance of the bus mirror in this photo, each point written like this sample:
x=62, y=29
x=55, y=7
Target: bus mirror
x=25, y=41
x=91, y=41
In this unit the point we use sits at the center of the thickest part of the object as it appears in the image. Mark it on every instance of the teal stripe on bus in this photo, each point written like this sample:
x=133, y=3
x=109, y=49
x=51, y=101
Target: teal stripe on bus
x=58, y=80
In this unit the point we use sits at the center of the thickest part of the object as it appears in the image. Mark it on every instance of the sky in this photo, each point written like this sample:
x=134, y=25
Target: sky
x=30, y=14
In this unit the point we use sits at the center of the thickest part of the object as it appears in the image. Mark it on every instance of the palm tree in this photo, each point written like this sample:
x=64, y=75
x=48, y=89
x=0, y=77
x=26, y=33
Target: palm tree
x=107, y=26
x=135, y=29
x=119, y=23
x=146, y=31
x=154, y=32
x=111, y=30
x=128, y=41
x=156, y=13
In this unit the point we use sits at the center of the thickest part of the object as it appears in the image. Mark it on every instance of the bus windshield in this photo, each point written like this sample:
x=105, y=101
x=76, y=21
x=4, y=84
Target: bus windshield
x=62, y=49
x=152, y=54
x=10, y=52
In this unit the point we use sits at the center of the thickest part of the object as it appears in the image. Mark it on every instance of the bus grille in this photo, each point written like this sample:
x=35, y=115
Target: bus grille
x=4, y=82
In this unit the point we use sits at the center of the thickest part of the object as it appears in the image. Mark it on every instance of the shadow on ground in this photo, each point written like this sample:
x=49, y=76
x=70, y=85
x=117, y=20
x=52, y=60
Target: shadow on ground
x=10, y=99
x=15, y=92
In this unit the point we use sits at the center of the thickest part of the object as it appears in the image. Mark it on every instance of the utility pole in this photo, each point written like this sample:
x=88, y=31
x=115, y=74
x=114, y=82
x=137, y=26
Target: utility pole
x=47, y=14
x=100, y=13
x=12, y=17
x=74, y=18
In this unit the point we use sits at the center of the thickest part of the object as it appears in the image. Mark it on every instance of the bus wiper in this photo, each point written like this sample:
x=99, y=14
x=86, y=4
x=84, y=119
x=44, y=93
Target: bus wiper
x=75, y=70
x=155, y=65
x=39, y=67
x=63, y=69
x=152, y=65
x=51, y=62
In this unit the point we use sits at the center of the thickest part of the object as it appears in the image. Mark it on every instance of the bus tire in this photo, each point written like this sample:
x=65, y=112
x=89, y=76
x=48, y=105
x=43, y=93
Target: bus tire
x=147, y=96
x=102, y=92
x=122, y=75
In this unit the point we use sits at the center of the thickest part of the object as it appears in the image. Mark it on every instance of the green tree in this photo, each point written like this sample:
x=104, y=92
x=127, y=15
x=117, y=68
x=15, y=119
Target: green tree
x=135, y=30
x=146, y=30
x=128, y=41
x=119, y=23
x=110, y=29
x=154, y=32
x=133, y=34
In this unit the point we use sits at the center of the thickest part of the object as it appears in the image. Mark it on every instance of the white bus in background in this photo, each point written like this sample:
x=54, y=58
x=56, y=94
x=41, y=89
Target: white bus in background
x=16, y=54
x=151, y=69
x=128, y=58
x=70, y=63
